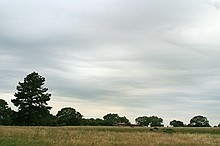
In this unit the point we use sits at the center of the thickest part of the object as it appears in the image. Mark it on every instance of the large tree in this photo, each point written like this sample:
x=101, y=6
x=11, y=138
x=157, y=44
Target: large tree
x=199, y=121
x=176, y=123
x=143, y=121
x=5, y=113
x=114, y=119
x=156, y=121
x=31, y=100
x=149, y=121
x=69, y=117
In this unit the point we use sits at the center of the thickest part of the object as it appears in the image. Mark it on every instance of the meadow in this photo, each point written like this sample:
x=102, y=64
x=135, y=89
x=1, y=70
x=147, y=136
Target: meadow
x=107, y=136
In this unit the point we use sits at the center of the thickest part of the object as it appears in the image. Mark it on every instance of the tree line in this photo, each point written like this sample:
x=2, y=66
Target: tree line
x=31, y=100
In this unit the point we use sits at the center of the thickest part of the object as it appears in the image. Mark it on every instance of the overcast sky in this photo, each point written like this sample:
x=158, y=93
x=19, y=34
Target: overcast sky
x=131, y=57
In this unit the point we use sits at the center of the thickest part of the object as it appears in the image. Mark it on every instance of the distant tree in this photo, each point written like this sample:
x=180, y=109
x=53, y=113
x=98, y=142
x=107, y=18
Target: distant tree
x=88, y=122
x=219, y=125
x=48, y=120
x=111, y=119
x=176, y=123
x=124, y=120
x=5, y=113
x=114, y=119
x=149, y=121
x=199, y=121
x=92, y=122
x=31, y=100
x=156, y=121
x=143, y=121
x=69, y=117
x=100, y=122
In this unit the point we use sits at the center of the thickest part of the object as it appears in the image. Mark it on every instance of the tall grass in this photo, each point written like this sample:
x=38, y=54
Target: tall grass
x=107, y=136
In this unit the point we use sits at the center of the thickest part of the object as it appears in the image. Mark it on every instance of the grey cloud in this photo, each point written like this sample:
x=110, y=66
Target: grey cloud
x=153, y=56
x=216, y=3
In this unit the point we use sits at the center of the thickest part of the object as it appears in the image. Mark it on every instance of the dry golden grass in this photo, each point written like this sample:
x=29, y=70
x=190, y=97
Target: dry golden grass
x=101, y=136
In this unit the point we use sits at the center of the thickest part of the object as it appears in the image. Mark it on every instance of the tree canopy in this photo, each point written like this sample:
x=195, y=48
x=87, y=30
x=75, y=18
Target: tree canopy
x=199, y=121
x=31, y=100
x=69, y=117
x=92, y=122
x=176, y=123
x=5, y=113
x=114, y=119
x=149, y=121
x=143, y=121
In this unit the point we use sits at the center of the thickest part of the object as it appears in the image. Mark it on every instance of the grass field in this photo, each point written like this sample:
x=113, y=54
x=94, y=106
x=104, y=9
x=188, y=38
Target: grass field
x=107, y=136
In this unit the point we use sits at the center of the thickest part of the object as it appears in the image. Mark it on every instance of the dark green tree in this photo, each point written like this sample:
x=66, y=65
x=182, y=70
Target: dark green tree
x=92, y=122
x=124, y=120
x=114, y=119
x=176, y=123
x=199, y=121
x=110, y=119
x=149, y=121
x=156, y=121
x=143, y=121
x=5, y=113
x=69, y=117
x=31, y=100
x=100, y=122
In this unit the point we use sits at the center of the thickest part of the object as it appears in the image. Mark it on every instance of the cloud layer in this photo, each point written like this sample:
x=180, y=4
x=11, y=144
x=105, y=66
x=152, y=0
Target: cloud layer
x=130, y=57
